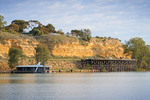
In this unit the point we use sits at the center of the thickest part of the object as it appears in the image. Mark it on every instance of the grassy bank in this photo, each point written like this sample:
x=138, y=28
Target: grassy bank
x=6, y=35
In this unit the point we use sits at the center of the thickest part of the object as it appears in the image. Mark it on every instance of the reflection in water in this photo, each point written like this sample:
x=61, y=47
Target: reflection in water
x=76, y=86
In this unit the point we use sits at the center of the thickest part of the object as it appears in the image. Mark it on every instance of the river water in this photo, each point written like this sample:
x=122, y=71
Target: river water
x=76, y=86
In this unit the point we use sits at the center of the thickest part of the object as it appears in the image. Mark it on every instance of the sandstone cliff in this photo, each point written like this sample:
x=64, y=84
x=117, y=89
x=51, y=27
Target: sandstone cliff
x=95, y=48
x=27, y=46
x=7, y=40
x=61, y=46
x=74, y=47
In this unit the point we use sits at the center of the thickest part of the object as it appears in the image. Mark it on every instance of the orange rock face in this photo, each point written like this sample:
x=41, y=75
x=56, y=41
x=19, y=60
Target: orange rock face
x=96, y=47
x=26, y=45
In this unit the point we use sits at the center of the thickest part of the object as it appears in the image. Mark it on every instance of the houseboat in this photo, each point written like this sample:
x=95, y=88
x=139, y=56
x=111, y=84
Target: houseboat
x=32, y=68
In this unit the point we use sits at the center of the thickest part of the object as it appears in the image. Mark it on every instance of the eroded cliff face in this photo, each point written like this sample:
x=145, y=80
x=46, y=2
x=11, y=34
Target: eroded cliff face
x=27, y=46
x=96, y=48
x=72, y=49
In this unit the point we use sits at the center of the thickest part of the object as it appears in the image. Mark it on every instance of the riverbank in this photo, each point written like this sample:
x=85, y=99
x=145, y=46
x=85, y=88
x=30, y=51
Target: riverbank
x=59, y=66
x=78, y=71
x=63, y=71
x=74, y=70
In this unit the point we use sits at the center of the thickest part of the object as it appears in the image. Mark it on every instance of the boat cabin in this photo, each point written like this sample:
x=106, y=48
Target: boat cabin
x=32, y=68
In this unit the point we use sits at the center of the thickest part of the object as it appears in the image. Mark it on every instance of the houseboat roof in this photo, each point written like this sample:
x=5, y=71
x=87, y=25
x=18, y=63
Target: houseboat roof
x=38, y=65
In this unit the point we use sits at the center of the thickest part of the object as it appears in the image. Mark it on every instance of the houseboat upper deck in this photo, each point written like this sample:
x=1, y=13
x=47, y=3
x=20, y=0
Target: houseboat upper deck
x=32, y=68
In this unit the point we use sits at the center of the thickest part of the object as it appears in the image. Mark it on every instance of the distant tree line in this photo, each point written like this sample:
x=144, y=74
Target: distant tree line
x=107, y=38
x=37, y=29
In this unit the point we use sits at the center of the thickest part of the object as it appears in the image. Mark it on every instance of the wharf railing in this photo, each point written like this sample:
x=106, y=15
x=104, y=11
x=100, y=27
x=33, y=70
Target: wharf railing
x=109, y=65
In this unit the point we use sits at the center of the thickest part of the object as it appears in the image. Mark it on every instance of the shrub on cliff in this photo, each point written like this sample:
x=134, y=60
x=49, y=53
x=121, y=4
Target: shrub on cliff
x=84, y=34
x=12, y=27
x=42, y=54
x=36, y=32
x=14, y=56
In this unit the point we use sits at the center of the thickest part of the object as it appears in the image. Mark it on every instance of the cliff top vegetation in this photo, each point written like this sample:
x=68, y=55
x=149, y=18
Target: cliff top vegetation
x=9, y=35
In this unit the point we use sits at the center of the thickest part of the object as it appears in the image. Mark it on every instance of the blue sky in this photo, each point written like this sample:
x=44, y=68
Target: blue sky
x=123, y=19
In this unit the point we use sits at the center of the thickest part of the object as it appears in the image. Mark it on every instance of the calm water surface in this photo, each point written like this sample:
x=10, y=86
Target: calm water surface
x=76, y=86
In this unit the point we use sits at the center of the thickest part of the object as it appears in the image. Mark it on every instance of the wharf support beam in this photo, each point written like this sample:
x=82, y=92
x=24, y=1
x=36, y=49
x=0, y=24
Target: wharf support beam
x=109, y=65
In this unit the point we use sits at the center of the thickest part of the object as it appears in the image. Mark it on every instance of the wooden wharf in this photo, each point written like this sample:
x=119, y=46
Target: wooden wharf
x=109, y=65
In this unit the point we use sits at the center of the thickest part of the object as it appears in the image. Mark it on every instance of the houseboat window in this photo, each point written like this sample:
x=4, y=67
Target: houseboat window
x=19, y=68
x=29, y=69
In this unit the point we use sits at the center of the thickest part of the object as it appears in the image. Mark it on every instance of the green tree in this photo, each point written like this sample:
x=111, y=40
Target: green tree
x=60, y=32
x=14, y=56
x=36, y=32
x=44, y=29
x=148, y=57
x=13, y=27
x=138, y=50
x=68, y=34
x=144, y=57
x=2, y=22
x=41, y=29
x=50, y=28
x=42, y=54
x=76, y=32
x=34, y=23
x=85, y=34
x=135, y=45
x=22, y=24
